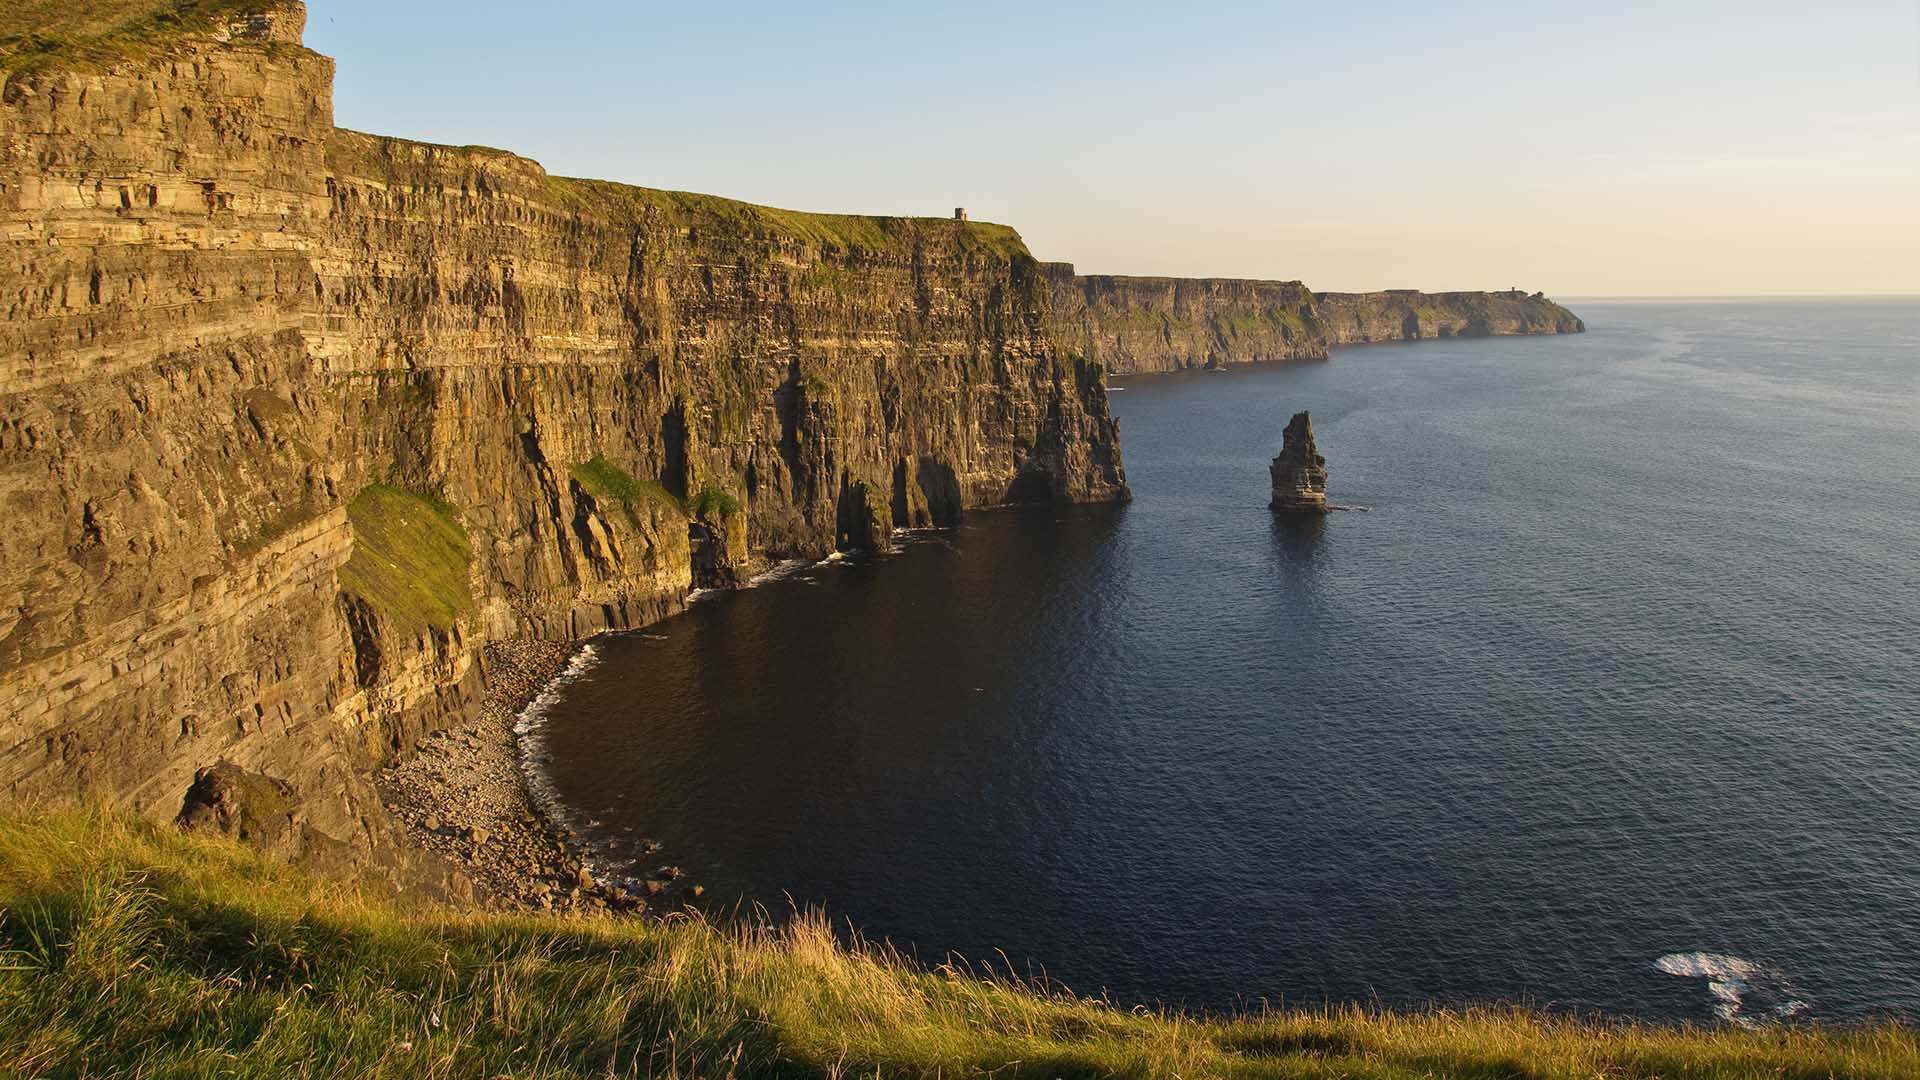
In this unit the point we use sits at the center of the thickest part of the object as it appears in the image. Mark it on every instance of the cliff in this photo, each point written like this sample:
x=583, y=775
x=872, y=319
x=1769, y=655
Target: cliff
x=1135, y=324
x=1131, y=325
x=294, y=419
x=1409, y=315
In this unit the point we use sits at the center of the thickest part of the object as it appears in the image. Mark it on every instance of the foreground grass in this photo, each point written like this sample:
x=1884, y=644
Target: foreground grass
x=130, y=949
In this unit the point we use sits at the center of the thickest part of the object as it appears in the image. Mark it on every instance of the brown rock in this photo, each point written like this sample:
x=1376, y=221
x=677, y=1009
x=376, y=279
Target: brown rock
x=1299, y=473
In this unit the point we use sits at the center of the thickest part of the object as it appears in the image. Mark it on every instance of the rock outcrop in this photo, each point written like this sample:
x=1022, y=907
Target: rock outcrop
x=1132, y=325
x=293, y=419
x=1299, y=473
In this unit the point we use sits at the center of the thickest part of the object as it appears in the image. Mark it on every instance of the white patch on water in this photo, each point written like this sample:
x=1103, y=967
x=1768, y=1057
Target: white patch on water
x=529, y=729
x=535, y=714
x=777, y=572
x=1745, y=993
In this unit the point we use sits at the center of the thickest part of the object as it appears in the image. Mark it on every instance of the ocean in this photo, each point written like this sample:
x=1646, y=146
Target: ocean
x=1609, y=701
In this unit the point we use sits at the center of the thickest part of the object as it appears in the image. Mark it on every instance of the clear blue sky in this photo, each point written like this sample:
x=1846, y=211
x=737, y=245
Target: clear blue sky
x=1604, y=149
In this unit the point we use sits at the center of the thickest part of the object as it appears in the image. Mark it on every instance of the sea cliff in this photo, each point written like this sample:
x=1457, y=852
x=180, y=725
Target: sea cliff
x=1410, y=315
x=1136, y=324
x=1132, y=325
x=294, y=420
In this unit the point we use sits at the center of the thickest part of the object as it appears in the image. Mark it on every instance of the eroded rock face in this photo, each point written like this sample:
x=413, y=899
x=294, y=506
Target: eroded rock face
x=1148, y=324
x=1299, y=473
x=226, y=320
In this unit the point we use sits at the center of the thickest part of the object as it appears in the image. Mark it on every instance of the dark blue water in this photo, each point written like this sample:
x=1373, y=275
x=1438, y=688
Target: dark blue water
x=1624, y=664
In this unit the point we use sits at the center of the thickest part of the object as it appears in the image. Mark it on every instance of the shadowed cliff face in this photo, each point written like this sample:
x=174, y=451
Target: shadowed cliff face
x=1146, y=324
x=294, y=419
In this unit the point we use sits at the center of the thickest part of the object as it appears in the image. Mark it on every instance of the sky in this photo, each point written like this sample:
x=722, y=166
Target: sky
x=1615, y=149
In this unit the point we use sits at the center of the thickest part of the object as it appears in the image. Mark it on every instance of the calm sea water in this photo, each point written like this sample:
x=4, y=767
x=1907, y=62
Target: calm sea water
x=1611, y=702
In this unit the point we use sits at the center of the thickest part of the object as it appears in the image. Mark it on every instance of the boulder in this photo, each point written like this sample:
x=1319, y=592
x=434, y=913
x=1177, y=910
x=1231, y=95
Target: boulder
x=248, y=806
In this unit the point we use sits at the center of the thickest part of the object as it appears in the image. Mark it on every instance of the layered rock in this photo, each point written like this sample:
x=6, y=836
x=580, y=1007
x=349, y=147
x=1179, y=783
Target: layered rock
x=1143, y=324
x=1410, y=315
x=294, y=419
x=1133, y=325
x=1299, y=472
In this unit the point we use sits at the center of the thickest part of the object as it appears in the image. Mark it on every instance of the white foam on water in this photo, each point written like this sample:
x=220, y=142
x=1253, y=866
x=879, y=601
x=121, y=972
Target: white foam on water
x=778, y=571
x=529, y=729
x=535, y=714
x=1745, y=993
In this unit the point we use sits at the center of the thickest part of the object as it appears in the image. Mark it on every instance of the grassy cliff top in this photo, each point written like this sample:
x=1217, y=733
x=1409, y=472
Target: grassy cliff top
x=395, y=161
x=844, y=231
x=129, y=948
x=88, y=33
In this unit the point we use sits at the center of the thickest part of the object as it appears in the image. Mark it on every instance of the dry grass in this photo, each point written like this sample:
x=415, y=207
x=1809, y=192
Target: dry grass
x=127, y=949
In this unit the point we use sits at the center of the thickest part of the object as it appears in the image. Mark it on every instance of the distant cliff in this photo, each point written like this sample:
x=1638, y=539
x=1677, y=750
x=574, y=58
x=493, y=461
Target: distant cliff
x=1132, y=324
x=1409, y=315
x=294, y=419
x=1145, y=324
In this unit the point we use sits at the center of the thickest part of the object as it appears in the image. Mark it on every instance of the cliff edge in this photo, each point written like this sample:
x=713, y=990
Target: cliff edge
x=1411, y=315
x=1134, y=325
x=294, y=420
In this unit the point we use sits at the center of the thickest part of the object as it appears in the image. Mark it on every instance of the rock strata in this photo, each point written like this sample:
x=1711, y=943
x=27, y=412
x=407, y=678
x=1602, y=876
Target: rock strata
x=1133, y=325
x=294, y=420
x=1412, y=315
x=1299, y=473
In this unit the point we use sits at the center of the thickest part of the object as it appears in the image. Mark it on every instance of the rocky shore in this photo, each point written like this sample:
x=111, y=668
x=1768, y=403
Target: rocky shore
x=460, y=794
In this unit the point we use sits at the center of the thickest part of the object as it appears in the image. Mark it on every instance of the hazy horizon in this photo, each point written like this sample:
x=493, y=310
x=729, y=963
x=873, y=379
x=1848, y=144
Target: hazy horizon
x=1636, y=152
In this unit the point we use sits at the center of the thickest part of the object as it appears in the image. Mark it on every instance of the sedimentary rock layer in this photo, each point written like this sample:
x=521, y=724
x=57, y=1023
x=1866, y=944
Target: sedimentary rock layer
x=294, y=419
x=1299, y=472
x=1409, y=315
x=1135, y=324
x=1148, y=324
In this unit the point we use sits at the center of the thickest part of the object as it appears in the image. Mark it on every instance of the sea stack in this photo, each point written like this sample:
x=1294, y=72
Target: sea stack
x=1299, y=473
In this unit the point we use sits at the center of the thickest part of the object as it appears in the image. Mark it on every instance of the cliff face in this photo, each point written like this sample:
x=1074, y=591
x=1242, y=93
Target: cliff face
x=294, y=419
x=1131, y=325
x=1136, y=324
x=1409, y=315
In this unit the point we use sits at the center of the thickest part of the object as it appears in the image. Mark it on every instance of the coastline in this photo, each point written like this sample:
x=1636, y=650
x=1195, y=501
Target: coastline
x=460, y=795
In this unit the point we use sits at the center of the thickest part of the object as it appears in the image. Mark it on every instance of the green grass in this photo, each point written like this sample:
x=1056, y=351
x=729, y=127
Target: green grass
x=130, y=949
x=604, y=480
x=833, y=232
x=93, y=33
x=410, y=558
x=713, y=501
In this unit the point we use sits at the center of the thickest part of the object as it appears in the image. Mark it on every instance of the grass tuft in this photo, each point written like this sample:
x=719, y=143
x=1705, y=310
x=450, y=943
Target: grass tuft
x=410, y=558
x=602, y=479
x=130, y=948
x=714, y=501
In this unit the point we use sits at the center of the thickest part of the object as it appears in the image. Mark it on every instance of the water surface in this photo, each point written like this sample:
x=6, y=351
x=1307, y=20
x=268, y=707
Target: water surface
x=1617, y=686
